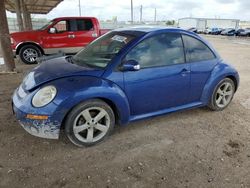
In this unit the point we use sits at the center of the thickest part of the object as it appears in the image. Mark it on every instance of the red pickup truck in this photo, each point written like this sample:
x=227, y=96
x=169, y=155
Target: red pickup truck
x=66, y=34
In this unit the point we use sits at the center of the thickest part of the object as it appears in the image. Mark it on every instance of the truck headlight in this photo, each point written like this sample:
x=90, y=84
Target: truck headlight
x=44, y=96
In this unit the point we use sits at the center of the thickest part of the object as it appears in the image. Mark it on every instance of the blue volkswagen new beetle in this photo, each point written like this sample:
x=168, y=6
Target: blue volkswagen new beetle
x=123, y=76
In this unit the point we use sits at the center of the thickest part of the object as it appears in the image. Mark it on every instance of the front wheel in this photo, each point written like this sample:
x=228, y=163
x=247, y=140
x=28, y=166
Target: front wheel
x=29, y=54
x=222, y=95
x=89, y=123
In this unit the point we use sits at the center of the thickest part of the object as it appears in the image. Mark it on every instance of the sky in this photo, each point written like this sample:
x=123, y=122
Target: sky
x=165, y=9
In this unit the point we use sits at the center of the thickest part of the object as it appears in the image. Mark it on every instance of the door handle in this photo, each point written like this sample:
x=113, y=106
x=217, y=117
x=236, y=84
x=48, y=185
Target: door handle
x=185, y=71
x=94, y=35
x=71, y=36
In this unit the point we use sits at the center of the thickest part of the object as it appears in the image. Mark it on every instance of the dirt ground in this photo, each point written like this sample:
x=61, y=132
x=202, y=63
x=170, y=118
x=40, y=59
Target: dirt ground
x=192, y=148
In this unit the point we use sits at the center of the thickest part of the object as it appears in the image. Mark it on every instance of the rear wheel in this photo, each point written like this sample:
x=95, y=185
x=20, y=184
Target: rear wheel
x=89, y=123
x=29, y=54
x=222, y=95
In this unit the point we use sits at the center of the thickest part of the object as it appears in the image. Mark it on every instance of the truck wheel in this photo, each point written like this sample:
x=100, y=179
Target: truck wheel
x=29, y=54
x=222, y=95
x=89, y=122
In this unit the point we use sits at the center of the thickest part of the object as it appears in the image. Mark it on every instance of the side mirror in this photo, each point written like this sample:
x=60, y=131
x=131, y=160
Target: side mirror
x=130, y=65
x=52, y=30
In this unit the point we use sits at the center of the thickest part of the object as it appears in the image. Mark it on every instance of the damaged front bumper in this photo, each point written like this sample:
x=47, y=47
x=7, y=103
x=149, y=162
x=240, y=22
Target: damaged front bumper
x=48, y=128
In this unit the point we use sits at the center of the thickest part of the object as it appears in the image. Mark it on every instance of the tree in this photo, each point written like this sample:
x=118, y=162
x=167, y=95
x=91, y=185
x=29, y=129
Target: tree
x=170, y=22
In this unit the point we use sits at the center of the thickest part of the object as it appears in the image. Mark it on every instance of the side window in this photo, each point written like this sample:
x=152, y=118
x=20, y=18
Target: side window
x=61, y=26
x=160, y=50
x=196, y=50
x=84, y=25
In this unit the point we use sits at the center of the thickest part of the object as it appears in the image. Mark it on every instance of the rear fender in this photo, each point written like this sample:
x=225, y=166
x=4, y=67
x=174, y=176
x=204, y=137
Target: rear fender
x=220, y=71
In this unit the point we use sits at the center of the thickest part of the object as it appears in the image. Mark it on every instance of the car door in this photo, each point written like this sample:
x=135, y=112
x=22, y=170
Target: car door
x=61, y=39
x=202, y=61
x=85, y=32
x=163, y=80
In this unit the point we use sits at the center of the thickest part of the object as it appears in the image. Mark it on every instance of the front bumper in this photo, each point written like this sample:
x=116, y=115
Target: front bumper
x=48, y=128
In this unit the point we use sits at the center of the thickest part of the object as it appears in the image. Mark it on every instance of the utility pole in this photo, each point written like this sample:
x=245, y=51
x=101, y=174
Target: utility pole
x=5, y=39
x=132, y=12
x=141, y=13
x=155, y=16
x=80, y=11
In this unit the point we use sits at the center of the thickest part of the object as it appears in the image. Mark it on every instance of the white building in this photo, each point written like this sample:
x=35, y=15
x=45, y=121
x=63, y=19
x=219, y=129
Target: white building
x=203, y=23
x=244, y=24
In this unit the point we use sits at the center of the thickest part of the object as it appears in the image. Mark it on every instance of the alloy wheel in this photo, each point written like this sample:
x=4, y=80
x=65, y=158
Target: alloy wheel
x=224, y=94
x=30, y=55
x=91, y=124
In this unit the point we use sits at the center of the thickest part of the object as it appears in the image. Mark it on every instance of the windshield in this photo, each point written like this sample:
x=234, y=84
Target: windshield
x=46, y=25
x=100, y=52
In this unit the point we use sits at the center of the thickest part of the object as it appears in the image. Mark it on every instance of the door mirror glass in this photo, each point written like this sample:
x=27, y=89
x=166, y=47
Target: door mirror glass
x=130, y=65
x=52, y=30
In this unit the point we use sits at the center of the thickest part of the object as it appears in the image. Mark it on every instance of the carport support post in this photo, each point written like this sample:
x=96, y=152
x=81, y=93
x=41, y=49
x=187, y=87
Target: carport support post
x=26, y=17
x=19, y=15
x=5, y=39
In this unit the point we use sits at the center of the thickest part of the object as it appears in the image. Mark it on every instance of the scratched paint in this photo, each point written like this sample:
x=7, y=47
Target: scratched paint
x=43, y=129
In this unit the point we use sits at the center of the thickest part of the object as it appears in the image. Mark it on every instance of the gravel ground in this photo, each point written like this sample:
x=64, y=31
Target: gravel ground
x=192, y=148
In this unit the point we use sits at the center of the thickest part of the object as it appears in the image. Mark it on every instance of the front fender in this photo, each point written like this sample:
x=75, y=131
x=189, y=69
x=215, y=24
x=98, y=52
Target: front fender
x=220, y=71
x=75, y=90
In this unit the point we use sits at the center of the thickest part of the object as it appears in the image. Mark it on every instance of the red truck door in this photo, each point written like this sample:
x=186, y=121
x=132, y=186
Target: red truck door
x=60, y=39
x=85, y=31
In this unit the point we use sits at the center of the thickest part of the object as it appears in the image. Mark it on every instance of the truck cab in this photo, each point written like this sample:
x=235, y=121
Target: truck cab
x=65, y=34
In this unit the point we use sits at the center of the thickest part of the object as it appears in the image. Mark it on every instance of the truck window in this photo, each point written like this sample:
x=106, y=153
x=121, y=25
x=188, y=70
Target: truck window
x=60, y=26
x=84, y=24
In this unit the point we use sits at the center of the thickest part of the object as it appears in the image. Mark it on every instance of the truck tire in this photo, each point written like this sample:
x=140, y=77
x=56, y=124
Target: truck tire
x=29, y=54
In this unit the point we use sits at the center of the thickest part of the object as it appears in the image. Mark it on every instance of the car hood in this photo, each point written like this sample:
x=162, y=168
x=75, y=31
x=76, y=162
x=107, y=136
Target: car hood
x=26, y=33
x=55, y=69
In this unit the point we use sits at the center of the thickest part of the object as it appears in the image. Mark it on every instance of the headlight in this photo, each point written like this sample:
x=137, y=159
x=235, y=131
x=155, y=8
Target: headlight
x=44, y=96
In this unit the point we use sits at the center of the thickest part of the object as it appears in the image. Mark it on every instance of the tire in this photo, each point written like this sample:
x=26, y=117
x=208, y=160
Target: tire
x=89, y=123
x=222, y=95
x=29, y=54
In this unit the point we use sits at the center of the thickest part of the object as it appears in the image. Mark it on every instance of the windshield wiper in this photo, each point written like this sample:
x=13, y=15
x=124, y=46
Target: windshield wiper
x=70, y=59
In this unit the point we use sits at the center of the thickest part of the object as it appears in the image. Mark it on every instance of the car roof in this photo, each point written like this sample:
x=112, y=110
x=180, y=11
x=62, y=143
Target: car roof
x=148, y=29
x=73, y=17
x=140, y=30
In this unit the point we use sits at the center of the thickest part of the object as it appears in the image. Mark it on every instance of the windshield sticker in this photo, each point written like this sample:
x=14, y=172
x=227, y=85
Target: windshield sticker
x=119, y=38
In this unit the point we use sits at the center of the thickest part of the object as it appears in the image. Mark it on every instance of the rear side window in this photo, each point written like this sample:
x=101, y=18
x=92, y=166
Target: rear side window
x=84, y=25
x=80, y=25
x=196, y=50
